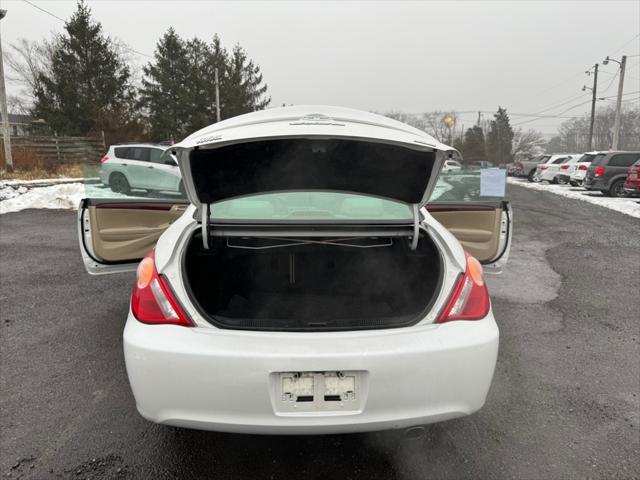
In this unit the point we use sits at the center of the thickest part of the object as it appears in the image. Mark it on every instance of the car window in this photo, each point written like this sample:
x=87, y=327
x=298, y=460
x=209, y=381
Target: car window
x=310, y=205
x=559, y=160
x=466, y=186
x=623, y=160
x=155, y=155
x=586, y=158
x=121, y=152
x=168, y=158
x=598, y=159
x=138, y=153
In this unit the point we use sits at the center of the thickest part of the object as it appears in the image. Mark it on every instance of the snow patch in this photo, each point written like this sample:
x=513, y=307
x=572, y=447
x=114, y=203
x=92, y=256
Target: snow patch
x=627, y=205
x=65, y=196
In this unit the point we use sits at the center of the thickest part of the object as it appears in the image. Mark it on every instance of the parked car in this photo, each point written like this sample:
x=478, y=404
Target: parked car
x=480, y=164
x=451, y=166
x=632, y=182
x=308, y=286
x=550, y=172
x=552, y=160
x=527, y=168
x=579, y=169
x=141, y=167
x=607, y=173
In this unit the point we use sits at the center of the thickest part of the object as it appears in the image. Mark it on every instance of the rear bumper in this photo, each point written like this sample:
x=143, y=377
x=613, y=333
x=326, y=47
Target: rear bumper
x=632, y=189
x=593, y=184
x=547, y=176
x=224, y=380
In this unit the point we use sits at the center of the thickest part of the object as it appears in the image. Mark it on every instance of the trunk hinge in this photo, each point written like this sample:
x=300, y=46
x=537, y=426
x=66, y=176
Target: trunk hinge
x=416, y=226
x=205, y=226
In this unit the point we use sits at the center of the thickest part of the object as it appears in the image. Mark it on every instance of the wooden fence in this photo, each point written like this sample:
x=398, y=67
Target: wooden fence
x=58, y=149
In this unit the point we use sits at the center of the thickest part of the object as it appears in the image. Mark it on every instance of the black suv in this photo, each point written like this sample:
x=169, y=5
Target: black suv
x=608, y=171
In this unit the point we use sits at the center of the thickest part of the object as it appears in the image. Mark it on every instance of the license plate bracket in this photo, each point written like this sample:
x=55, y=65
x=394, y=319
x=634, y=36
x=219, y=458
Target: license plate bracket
x=331, y=391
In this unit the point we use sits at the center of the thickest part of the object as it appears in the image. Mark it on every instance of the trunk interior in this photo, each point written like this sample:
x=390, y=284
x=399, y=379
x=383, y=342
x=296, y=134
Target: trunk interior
x=312, y=286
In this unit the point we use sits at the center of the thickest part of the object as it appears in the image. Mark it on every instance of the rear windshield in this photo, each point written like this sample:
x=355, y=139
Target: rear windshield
x=586, y=158
x=559, y=160
x=310, y=205
x=598, y=159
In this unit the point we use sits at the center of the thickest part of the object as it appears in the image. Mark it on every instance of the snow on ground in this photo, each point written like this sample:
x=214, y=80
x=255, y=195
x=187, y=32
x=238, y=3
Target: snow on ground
x=63, y=196
x=38, y=182
x=626, y=205
x=67, y=196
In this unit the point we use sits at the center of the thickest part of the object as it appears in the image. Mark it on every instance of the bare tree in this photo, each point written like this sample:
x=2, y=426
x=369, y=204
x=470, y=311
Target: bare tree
x=27, y=61
x=527, y=143
x=431, y=122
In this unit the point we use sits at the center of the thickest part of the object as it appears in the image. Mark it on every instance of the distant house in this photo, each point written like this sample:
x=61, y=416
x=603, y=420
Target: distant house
x=25, y=125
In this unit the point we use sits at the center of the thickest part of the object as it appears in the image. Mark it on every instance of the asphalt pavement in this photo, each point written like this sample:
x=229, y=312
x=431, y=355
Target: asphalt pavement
x=565, y=400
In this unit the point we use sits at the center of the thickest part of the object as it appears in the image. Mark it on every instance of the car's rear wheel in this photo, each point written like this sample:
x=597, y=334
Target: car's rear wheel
x=119, y=183
x=560, y=180
x=573, y=183
x=617, y=189
x=530, y=176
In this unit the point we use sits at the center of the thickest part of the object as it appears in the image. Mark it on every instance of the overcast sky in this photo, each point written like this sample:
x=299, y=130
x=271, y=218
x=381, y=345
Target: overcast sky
x=413, y=56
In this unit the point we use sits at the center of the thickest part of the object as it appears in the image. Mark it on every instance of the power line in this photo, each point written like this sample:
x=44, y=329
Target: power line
x=45, y=11
x=627, y=43
x=613, y=79
x=125, y=47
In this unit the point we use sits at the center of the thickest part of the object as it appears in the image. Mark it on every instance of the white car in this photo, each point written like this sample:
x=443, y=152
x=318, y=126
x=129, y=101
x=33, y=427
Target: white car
x=306, y=287
x=541, y=167
x=451, y=166
x=140, y=167
x=555, y=166
x=579, y=169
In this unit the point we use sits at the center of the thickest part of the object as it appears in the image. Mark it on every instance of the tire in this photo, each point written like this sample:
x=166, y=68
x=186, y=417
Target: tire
x=531, y=174
x=617, y=189
x=119, y=183
x=573, y=183
x=560, y=181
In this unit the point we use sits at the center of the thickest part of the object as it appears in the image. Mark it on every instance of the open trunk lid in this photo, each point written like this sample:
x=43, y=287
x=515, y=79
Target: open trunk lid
x=310, y=148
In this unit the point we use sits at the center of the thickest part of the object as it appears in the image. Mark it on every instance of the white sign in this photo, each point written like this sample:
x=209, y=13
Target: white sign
x=493, y=182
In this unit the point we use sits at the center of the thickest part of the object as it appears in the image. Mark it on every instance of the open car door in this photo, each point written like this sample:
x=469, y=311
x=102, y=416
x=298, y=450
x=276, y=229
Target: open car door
x=482, y=224
x=117, y=229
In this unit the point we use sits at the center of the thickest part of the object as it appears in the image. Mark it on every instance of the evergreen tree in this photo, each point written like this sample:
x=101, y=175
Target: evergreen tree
x=179, y=86
x=244, y=89
x=473, y=147
x=500, y=138
x=166, y=91
x=88, y=87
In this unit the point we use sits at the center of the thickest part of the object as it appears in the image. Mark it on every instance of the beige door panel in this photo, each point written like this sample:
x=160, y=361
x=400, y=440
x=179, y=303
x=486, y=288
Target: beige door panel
x=120, y=234
x=477, y=230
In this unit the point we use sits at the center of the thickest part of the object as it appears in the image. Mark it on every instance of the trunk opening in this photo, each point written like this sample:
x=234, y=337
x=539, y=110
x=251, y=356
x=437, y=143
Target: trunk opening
x=380, y=283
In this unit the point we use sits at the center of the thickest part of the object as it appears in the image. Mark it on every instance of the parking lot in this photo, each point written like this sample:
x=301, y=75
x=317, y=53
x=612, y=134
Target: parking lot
x=564, y=402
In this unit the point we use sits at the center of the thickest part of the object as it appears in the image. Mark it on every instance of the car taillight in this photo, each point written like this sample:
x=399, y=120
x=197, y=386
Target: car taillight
x=104, y=159
x=582, y=167
x=152, y=300
x=519, y=166
x=599, y=171
x=564, y=167
x=543, y=167
x=469, y=299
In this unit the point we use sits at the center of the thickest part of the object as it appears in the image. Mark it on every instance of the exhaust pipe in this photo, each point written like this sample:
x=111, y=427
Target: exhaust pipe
x=414, y=433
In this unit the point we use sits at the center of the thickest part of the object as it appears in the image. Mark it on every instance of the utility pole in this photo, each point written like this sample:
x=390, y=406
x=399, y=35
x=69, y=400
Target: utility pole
x=593, y=105
x=616, y=125
x=6, y=128
x=217, y=96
